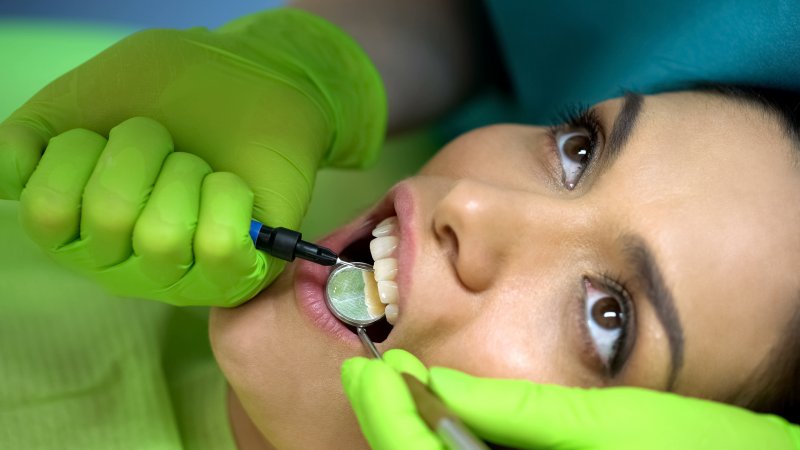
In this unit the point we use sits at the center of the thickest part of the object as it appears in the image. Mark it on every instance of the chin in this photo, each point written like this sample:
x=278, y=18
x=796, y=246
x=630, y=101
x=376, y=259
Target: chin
x=285, y=371
x=282, y=351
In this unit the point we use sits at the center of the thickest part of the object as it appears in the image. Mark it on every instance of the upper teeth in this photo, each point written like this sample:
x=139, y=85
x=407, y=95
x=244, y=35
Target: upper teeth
x=385, y=267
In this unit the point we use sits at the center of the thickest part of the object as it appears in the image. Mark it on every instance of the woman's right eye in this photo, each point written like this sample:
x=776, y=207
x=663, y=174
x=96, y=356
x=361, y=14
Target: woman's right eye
x=608, y=322
x=575, y=151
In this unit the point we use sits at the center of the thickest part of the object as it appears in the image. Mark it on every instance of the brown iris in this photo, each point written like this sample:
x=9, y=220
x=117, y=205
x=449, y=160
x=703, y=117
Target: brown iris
x=607, y=312
x=577, y=148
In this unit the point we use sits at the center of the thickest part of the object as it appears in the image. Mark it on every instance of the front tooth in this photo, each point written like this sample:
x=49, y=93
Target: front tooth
x=391, y=313
x=387, y=291
x=371, y=295
x=386, y=227
x=385, y=269
x=383, y=247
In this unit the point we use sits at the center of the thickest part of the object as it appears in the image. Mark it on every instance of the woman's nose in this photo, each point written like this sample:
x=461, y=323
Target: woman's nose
x=487, y=229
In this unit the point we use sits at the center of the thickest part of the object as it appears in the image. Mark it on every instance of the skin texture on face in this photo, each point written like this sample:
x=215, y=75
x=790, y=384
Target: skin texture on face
x=499, y=257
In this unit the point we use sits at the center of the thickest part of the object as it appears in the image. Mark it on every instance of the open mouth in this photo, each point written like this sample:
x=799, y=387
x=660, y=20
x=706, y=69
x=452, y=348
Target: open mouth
x=383, y=238
x=378, y=249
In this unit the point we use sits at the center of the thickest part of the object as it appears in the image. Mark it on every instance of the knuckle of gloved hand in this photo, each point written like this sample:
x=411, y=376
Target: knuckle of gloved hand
x=107, y=213
x=165, y=241
x=217, y=244
x=47, y=211
x=76, y=135
x=144, y=136
x=188, y=161
x=145, y=126
x=184, y=172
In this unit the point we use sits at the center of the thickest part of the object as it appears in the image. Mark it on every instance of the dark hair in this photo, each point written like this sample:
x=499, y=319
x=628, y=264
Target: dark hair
x=784, y=105
x=775, y=386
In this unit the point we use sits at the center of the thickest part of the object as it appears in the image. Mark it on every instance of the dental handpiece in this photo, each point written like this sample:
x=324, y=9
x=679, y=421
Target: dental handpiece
x=287, y=245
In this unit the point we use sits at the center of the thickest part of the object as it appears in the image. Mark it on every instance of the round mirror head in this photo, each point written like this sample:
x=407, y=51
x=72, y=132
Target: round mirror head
x=352, y=294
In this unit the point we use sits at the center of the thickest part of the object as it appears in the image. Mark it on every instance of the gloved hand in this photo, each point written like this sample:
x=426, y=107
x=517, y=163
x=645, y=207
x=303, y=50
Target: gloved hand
x=270, y=97
x=521, y=414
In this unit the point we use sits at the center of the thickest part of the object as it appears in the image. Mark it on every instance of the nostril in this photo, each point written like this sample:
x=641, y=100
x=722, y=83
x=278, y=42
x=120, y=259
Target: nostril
x=460, y=228
x=448, y=240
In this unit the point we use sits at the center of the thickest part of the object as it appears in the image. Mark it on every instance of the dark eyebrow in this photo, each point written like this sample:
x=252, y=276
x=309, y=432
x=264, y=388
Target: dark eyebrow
x=623, y=127
x=639, y=255
x=658, y=294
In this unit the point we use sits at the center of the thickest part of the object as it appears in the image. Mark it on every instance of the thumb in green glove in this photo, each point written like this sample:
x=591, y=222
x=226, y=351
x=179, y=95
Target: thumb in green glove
x=523, y=414
x=270, y=97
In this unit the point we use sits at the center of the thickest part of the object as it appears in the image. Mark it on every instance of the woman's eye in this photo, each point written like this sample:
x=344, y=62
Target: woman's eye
x=575, y=150
x=607, y=323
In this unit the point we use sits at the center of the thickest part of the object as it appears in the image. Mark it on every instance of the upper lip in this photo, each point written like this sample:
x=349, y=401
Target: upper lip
x=397, y=202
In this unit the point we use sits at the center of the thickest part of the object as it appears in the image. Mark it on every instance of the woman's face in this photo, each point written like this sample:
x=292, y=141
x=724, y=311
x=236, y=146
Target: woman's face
x=651, y=243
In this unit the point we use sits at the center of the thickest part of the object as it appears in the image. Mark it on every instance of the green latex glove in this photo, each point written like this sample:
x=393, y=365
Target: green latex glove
x=522, y=414
x=270, y=97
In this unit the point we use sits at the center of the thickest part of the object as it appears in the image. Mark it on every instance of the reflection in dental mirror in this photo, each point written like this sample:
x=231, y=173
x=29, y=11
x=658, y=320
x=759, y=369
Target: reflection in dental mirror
x=352, y=294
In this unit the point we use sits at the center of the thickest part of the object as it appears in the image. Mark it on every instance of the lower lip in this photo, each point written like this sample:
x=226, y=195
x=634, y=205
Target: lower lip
x=310, y=280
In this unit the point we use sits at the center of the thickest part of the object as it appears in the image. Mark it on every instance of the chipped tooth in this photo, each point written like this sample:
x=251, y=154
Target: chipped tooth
x=383, y=247
x=391, y=313
x=385, y=269
x=371, y=296
x=387, y=291
x=385, y=227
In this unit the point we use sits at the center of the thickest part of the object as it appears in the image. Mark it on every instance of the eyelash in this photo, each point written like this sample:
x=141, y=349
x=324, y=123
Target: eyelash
x=578, y=118
x=588, y=120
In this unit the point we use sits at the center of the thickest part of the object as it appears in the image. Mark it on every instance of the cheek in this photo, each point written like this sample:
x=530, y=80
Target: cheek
x=513, y=154
x=245, y=349
x=247, y=339
x=237, y=338
x=284, y=372
x=507, y=334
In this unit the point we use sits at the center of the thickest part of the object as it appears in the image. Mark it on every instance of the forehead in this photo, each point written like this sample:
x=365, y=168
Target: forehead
x=710, y=183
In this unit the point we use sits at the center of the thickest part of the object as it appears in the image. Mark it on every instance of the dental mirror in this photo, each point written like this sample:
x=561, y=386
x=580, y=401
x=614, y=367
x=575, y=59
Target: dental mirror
x=352, y=296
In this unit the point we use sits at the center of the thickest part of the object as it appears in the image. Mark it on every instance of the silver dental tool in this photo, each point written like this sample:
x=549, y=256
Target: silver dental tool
x=345, y=296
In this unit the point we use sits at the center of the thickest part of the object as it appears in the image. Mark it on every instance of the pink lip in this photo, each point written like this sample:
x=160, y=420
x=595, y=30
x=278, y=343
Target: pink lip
x=310, y=278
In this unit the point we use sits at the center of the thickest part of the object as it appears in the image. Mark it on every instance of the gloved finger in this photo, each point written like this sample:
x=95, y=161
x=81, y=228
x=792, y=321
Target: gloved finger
x=119, y=188
x=404, y=362
x=518, y=413
x=25, y=133
x=50, y=204
x=223, y=249
x=164, y=232
x=384, y=407
x=21, y=145
x=522, y=414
